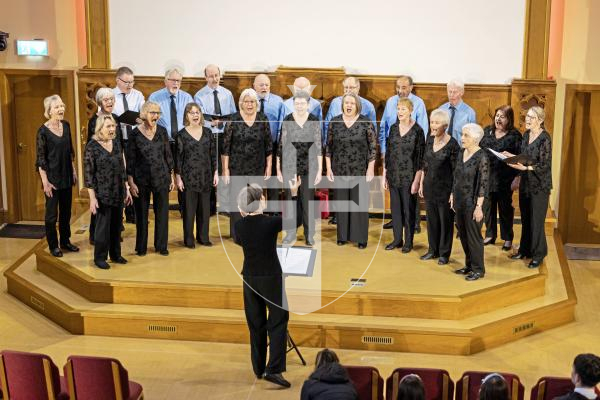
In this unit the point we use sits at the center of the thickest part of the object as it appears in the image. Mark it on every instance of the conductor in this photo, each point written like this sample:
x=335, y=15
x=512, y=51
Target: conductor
x=263, y=284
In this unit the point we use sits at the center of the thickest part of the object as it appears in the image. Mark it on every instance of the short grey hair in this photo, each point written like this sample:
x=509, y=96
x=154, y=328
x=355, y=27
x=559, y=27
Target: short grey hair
x=356, y=80
x=457, y=83
x=249, y=198
x=245, y=93
x=48, y=104
x=169, y=71
x=473, y=130
x=103, y=93
x=442, y=115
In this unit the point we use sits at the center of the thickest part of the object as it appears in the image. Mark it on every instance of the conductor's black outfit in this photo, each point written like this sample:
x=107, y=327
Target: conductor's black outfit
x=263, y=290
x=150, y=163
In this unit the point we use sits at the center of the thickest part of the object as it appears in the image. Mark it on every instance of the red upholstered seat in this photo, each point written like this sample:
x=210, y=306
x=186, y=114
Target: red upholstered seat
x=368, y=382
x=437, y=382
x=549, y=387
x=100, y=378
x=467, y=388
x=30, y=376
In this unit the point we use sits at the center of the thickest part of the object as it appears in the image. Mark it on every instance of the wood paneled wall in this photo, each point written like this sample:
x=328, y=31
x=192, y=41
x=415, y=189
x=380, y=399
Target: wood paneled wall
x=537, y=36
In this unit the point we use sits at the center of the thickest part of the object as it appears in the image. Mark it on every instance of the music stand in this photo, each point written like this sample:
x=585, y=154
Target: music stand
x=291, y=345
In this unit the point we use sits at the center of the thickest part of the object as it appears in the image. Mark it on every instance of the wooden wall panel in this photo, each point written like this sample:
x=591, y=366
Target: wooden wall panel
x=537, y=35
x=529, y=93
x=97, y=32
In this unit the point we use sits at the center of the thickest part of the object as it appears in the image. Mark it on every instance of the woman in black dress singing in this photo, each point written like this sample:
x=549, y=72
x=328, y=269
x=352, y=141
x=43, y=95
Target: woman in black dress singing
x=149, y=172
x=299, y=154
x=196, y=172
x=247, y=151
x=501, y=136
x=54, y=162
x=351, y=152
x=402, y=174
x=106, y=179
x=535, y=183
x=469, y=191
x=439, y=160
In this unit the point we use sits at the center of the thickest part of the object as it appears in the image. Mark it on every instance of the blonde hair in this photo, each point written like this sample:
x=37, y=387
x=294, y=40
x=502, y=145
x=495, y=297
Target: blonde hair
x=442, y=115
x=100, y=124
x=188, y=108
x=406, y=102
x=539, y=112
x=48, y=104
x=146, y=107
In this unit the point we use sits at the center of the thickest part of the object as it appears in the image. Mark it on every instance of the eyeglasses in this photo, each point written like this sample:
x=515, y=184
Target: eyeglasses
x=249, y=101
x=154, y=112
x=350, y=87
x=194, y=113
x=174, y=80
x=527, y=116
x=128, y=83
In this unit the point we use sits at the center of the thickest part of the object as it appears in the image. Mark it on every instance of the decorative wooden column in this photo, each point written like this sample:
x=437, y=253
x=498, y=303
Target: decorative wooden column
x=537, y=34
x=97, y=32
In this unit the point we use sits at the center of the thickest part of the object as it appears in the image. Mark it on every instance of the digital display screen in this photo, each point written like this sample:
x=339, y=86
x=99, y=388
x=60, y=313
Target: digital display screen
x=32, y=48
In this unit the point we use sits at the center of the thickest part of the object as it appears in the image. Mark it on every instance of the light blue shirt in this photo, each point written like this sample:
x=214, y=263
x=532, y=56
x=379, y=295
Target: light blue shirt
x=206, y=100
x=390, y=116
x=163, y=98
x=462, y=116
x=273, y=105
x=335, y=109
x=135, y=101
x=314, y=107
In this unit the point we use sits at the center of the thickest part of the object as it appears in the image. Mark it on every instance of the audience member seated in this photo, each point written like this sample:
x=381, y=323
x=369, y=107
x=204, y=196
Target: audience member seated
x=411, y=388
x=494, y=387
x=585, y=376
x=329, y=380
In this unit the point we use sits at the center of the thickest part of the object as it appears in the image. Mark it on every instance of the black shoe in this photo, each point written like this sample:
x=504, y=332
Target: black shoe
x=473, y=276
x=56, y=252
x=428, y=256
x=260, y=376
x=120, y=260
x=207, y=244
x=417, y=228
x=333, y=221
x=102, y=264
x=388, y=225
x=277, y=379
x=362, y=246
x=463, y=271
x=406, y=248
x=518, y=256
x=164, y=252
x=190, y=246
x=393, y=245
x=534, y=264
x=310, y=242
x=140, y=253
x=443, y=261
x=341, y=242
x=70, y=247
x=507, y=245
x=489, y=240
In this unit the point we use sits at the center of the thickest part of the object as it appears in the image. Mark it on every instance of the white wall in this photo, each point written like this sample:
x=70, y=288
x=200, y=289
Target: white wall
x=433, y=40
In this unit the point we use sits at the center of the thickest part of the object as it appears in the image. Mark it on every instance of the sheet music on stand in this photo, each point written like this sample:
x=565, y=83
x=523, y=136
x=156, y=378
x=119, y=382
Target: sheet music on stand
x=297, y=261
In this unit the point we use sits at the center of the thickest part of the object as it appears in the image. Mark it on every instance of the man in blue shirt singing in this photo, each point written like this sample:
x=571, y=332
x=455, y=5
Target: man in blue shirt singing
x=460, y=113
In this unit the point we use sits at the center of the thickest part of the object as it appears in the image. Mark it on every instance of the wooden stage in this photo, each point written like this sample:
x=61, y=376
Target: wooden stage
x=196, y=294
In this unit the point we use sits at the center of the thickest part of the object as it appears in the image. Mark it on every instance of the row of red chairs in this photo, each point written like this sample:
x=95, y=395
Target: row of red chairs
x=439, y=385
x=35, y=376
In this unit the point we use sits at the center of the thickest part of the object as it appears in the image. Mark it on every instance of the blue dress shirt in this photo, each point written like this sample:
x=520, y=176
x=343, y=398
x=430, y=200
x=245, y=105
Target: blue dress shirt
x=273, y=105
x=206, y=100
x=390, y=116
x=163, y=98
x=335, y=109
x=314, y=107
x=463, y=115
x=135, y=101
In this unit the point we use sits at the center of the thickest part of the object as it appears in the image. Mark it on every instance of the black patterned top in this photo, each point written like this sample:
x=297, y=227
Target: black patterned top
x=403, y=155
x=92, y=128
x=351, y=149
x=471, y=179
x=501, y=175
x=104, y=172
x=196, y=160
x=150, y=162
x=295, y=144
x=438, y=167
x=540, y=179
x=247, y=146
x=54, y=154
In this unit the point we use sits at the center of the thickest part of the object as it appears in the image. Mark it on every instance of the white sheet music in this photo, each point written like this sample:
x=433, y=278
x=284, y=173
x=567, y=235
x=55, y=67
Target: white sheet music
x=294, y=260
x=497, y=154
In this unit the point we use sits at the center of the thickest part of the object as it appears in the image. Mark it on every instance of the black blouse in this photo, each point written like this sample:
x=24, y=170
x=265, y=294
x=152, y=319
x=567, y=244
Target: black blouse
x=54, y=154
x=258, y=237
x=150, y=162
x=105, y=172
x=438, y=167
x=92, y=129
x=196, y=160
x=471, y=179
x=501, y=175
x=294, y=146
x=403, y=155
x=351, y=149
x=247, y=146
x=540, y=179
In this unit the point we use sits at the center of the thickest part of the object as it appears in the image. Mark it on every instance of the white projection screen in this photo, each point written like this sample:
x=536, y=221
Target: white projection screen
x=433, y=40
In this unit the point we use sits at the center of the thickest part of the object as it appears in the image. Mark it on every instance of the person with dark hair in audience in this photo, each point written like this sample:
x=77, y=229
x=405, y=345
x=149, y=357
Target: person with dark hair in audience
x=411, y=388
x=196, y=173
x=106, y=179
x=247, y=150
x=351, y=152
x=535, y=184
x=494, y=387
x=402, y=174
x=329, y=380
x=263, y=284
x=585, y=375
x=299, y=154
x=54, y=162
x=500, y=136
x=105, y=99
x=439, y=160
x=469, y=191
x=149, y=172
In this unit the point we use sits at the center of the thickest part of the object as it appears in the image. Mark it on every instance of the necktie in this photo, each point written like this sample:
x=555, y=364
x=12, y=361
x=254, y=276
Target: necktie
x=217, y=107
x=451, y=124
x=126, y=108
x=173, y=118
x=262, y=105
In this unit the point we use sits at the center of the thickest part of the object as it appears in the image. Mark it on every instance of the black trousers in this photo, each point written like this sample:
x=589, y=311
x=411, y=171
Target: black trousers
x=107, y=232
x=302, y=213
x=533, y=218
x=469, y=232
x=273, y=193
x=417, y=213
x=440, y=227
x=353, y=226
x=402, y=203
x=499, y=202
x=180, y=198
x=257, y=290
x=129, y=210
x=160, y=202
x=197, y=208
x=58, y=208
